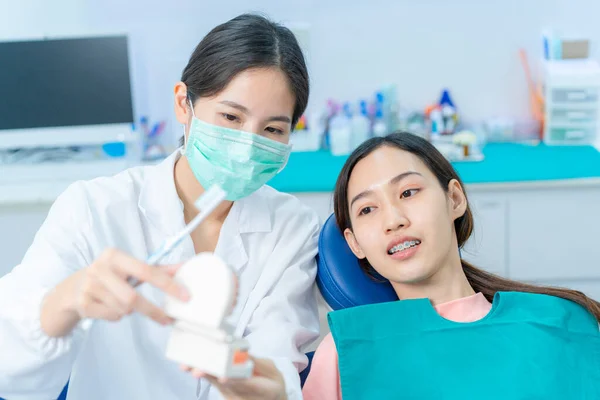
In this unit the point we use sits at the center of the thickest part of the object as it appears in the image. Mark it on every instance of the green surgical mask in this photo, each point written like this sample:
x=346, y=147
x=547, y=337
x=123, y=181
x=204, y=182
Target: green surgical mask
x=237, y=161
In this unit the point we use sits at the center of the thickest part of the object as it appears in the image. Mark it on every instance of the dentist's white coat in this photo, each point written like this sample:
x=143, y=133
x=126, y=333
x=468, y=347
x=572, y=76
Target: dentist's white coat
x=269, y=238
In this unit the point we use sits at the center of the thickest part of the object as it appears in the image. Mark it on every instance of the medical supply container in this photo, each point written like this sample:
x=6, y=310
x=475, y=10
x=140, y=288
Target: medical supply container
x=572, y=102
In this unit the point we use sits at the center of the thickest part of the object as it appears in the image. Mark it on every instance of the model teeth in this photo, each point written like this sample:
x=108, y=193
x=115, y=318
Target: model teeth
x=403, y=246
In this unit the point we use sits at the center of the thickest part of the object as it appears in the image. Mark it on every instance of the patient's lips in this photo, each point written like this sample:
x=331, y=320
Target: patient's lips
x=403, y=248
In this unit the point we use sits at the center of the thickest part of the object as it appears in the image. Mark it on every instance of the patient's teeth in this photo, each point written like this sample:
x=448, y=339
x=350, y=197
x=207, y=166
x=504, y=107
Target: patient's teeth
x=403, y=246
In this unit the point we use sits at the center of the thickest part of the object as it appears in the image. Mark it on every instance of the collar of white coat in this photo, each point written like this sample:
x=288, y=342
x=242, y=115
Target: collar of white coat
x=160, y=204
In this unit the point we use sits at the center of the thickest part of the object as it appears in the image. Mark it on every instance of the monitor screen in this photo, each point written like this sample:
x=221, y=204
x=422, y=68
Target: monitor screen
x=64, y=83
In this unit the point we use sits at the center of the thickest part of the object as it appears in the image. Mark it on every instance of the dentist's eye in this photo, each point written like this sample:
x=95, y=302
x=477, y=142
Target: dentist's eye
x=276, y=131
x=230, y=117
x=409, y=193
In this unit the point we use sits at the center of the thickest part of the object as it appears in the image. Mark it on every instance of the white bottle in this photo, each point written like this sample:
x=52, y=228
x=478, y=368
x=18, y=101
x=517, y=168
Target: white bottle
x=379, y=128
x=340, y=134
x=360, y=125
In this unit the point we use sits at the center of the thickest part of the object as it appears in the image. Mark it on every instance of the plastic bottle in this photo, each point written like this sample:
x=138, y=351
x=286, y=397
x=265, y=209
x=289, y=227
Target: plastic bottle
x=325, y=122
x=360, y=125
x=436, y=123
x=394, y=118
x=379, y=126
x=340, y=133
x=347, y=110
x=380, y=99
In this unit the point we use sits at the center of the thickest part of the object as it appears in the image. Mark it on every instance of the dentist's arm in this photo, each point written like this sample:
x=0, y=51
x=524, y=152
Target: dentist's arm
x=43, y=300
x=33, y=364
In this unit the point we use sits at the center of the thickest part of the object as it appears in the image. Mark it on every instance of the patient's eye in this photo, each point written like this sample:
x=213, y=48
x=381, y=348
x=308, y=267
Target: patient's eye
x=365, y=210
x=409, y=193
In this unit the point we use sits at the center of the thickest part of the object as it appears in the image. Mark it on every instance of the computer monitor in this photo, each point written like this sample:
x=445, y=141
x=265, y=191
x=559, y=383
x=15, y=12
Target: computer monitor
x=65, y=92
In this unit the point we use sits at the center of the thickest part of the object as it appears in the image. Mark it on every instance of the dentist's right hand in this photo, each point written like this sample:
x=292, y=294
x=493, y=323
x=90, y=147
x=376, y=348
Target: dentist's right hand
x=101, y=291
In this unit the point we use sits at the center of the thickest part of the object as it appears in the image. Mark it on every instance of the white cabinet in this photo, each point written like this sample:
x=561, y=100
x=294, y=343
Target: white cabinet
x=18, y=225
x=555, y=234
x=486, y=249
x=572, y=107
x=322, y=203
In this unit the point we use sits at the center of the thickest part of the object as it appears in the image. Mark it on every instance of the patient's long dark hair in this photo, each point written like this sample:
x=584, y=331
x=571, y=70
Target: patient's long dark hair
x=481, y=281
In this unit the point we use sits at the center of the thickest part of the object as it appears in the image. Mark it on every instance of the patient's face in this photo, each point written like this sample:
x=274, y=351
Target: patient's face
x=402, y=219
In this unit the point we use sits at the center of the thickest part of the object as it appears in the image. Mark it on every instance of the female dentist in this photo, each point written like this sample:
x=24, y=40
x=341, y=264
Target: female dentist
x=67, y=312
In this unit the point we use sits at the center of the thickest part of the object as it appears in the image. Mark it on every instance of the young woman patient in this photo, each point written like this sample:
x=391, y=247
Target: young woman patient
x=458, y=332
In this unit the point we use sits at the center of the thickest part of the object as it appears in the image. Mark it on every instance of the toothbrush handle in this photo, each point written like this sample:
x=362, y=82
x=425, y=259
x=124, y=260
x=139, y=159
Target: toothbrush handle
x=155, y=257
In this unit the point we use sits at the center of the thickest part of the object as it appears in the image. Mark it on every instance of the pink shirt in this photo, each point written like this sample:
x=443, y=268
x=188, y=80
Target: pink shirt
x=323, y=381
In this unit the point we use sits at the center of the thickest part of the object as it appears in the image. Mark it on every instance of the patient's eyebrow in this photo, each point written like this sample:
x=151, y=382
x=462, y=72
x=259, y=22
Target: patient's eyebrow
x=392, y=181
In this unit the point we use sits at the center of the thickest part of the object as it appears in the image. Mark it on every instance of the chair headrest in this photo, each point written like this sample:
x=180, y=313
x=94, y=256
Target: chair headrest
x=340, y=279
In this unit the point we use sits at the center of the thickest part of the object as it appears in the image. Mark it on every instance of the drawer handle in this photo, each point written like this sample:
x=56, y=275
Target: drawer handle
x=488, y=204
x=576, y=96
x=575, y=134
x=576, y=115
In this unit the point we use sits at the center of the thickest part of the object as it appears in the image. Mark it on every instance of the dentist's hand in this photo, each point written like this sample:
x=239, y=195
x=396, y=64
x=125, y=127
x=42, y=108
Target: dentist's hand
x=266, y=383
x=101, y=291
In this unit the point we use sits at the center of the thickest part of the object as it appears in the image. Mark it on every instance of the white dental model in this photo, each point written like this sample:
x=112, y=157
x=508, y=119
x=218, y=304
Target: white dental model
x=200, y=337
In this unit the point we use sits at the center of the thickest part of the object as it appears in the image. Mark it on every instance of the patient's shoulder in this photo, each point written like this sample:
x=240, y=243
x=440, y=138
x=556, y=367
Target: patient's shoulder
x=327, y=347
x=323, y=381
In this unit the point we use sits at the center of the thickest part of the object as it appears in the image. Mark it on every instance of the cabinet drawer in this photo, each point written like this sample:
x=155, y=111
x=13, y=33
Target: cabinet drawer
x=575, y=95
x=572, y=135
x=566, y=116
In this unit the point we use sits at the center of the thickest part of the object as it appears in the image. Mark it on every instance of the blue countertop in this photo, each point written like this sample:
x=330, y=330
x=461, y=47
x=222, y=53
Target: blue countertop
x=503, y=163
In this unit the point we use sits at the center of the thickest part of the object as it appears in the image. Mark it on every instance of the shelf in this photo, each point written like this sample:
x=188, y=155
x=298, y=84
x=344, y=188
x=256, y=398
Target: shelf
x=67, y=136
x=67, y=171
x=504, y=163
x=505, y=166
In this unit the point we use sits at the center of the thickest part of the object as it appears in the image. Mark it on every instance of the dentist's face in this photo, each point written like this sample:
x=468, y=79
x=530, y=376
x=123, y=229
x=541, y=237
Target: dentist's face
x=256, y=100
x=402, y=219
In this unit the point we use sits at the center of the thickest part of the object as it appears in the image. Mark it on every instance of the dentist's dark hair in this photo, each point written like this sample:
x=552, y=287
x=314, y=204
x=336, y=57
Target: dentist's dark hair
x=245, y=42
x=481, y=281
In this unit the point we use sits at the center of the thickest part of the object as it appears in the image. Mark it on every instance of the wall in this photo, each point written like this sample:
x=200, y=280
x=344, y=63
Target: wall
x=422, y=46
x=355, y=47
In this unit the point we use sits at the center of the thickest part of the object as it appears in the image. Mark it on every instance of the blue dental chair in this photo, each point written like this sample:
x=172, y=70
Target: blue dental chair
x=340, y=279
x=63, y=394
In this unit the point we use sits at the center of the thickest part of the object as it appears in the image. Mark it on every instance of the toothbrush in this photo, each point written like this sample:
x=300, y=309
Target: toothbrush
x=536, y=97
x=206, y=204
